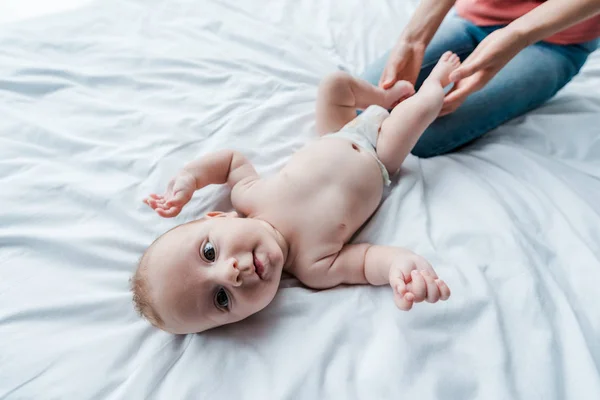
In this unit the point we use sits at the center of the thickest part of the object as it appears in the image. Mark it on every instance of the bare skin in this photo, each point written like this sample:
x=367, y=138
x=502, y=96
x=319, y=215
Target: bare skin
x=225, y=268
x=490, y=56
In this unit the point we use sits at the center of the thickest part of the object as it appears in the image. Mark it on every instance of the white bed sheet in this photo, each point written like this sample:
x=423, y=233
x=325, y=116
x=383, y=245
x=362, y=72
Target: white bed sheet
x=101, y=105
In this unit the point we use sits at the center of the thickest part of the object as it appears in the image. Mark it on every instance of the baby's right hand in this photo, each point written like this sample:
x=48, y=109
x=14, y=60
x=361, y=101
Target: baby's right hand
x=179, y=192
x=414, y=280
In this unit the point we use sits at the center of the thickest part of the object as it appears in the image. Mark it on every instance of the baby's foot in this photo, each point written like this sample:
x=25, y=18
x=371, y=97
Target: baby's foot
x=400, y=91
x=441, y=72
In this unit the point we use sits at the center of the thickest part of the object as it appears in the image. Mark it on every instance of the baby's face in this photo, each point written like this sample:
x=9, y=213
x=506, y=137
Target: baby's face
x=214, y=272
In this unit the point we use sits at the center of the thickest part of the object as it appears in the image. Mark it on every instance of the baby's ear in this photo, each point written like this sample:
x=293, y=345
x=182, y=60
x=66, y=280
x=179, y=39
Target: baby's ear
x=217, y=214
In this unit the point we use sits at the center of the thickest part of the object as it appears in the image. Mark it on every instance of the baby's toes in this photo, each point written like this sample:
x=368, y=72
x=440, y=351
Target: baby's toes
x=455, y=60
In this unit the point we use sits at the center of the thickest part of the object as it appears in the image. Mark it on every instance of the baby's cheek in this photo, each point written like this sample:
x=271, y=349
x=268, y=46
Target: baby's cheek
x=266, y=294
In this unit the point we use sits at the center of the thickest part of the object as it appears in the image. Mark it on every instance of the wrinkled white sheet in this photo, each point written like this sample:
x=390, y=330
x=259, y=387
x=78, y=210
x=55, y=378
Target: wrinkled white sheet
x=101, y=105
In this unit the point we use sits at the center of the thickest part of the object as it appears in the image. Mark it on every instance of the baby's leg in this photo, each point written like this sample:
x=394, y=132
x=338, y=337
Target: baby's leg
x=340, y=94
x=409, y=119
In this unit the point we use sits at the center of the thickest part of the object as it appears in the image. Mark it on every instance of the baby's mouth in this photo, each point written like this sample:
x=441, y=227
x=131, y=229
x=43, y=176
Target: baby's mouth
x=258, y=266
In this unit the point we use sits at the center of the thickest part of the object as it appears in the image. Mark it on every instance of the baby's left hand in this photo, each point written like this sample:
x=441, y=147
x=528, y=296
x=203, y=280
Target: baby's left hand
x=179, y=192
x=413, y=280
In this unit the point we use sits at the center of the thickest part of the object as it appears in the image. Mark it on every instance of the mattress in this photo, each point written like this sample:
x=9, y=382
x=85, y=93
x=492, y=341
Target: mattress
x=102, y=102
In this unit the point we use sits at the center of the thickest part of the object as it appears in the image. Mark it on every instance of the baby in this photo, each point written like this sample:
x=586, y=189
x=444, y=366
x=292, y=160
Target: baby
x=227, y=266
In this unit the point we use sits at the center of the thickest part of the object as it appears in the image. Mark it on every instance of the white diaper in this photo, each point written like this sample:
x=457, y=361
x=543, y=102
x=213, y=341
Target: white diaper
x=363, y=131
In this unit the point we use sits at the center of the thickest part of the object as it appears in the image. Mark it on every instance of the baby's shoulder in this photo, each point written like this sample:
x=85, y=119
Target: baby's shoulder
x=246, y=194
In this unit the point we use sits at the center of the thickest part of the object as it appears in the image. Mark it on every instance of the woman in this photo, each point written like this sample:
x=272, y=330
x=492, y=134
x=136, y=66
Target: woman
x=517, y=55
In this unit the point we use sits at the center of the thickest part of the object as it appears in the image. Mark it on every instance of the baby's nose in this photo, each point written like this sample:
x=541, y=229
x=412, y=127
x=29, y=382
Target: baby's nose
x=232, y=273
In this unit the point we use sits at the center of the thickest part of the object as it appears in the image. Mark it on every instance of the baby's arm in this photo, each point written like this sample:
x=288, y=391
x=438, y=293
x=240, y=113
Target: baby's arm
x=411, y=276
x=225, y=166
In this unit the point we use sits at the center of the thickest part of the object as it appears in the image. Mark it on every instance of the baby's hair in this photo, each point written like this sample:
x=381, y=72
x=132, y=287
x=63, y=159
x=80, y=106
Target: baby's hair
x=140, y=287
x=141, y=292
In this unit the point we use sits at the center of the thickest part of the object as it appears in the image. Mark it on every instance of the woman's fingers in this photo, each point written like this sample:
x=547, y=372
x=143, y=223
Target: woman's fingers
x=389, y=76
x=462, y=89
x=466, y=69
x=451, y=105
x=473, y=63
x=459, y=93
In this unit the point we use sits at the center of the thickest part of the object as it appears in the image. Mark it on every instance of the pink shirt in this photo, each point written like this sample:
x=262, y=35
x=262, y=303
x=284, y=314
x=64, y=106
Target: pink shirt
x=501, y=12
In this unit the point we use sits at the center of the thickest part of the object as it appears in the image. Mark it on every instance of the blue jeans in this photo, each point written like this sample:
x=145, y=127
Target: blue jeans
x=532, y=77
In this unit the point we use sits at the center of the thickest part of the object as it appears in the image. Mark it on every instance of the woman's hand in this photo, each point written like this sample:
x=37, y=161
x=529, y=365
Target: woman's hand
x=404, y=64
x=490, y=56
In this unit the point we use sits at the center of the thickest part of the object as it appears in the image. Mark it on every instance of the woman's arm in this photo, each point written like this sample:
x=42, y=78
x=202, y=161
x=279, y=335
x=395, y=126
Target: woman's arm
x=543, y=21
x=425, y=21
x=406, y=57
x=553, y=16
x=498, y=48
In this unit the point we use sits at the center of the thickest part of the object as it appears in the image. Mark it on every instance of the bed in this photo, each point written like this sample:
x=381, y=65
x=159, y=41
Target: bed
x=101, y=102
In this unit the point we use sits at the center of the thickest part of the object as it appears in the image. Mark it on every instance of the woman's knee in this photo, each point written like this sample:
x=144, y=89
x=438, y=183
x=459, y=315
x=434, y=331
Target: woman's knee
x=425, y=150
x=443, y=137
x=428, y=144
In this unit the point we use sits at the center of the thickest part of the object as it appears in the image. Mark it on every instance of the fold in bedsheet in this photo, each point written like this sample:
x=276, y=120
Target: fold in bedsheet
x=101, y=105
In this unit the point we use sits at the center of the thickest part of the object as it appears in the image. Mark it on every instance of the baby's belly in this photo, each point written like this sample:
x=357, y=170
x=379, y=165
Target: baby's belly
x=339, y=186
x=338, y=160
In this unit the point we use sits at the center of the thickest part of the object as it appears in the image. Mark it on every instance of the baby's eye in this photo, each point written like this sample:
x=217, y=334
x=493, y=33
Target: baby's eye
x=221, y=299
x=208, y=252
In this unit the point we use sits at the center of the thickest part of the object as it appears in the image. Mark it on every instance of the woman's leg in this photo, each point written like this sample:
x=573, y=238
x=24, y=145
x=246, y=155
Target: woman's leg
x=530, y=79
x=526, y=82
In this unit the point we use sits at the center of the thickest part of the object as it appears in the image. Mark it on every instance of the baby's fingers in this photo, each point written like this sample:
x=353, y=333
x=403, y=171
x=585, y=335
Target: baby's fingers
x=433, y=291
x=402, y=297
x=150, y=202
x=419, y=287
x=152, y=199
x=168, y=212
x=404, y=301
x=156, y=204
x=444, y=289
x=178, y=199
